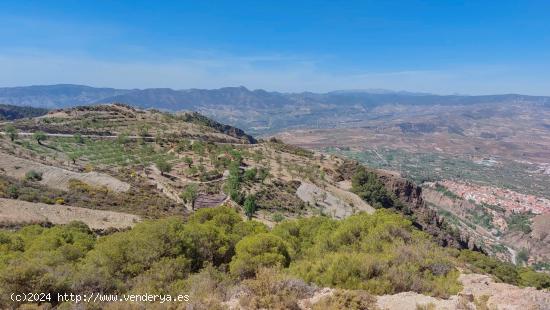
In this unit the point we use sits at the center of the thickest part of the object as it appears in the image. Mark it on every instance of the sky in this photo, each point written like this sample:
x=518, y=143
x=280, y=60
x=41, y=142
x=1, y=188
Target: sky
x=443, y=47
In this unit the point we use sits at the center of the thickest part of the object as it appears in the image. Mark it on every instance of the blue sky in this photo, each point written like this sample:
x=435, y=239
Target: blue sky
x=471, y=47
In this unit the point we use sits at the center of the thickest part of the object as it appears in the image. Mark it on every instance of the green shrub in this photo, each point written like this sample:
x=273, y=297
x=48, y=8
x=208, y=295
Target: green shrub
x=33, y=175
x=39, y=136
x=250, y=175
x=255, y=252
x=249, y=206
x=505, y=272
x=235, y=178
x=520, y=222
x=163, y=166
x=190, y=194
x=367, y=186
x=13, y=192
x=11, y=132
x=214, y=249
x=380, y=253
x=36, y=259
x=277, y=217
x=270, y=289
x=78, y=138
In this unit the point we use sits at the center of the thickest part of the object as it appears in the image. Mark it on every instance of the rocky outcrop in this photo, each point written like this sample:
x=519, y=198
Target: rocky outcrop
x=222, y=128
x=425, y=218
x=480, y=292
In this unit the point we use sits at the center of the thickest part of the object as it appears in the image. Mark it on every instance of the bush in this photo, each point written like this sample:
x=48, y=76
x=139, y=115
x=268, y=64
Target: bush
x=250, y=175
x=380, y=253
x=367, y=186
x=522, y=256
x=272, y=290
x=233, y=182
x=33, y=175
x=163, y=166
x=39, y=136
x=505, y=272
x=11, y=132
x=277, y=217
x=249, y=206
x=210, y=251
x=353, y=300
x=36, y=259
x=190, y=194
x=520, y=222
x=255, y=252
x=13, y=192
x=78, y=138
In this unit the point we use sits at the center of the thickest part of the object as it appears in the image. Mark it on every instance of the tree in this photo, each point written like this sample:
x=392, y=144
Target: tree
x=12, y=132
x=522, y=256
x=188, y=160
x=78, y=138
x=122, y=138
x=237, y=156
x=73, y=157
x=367, y=186
x=163, y=166
x=144, y=130
x=189, y=195
x=39, y=136
x=263, y=173
x=233, y=182
x=250, y=206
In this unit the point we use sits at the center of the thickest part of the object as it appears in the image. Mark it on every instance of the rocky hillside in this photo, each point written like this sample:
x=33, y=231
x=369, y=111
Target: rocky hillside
x=514, y=236
x=192, y=161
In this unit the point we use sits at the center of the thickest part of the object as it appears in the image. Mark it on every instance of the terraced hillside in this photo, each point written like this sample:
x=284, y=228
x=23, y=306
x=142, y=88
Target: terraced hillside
x=115, y=150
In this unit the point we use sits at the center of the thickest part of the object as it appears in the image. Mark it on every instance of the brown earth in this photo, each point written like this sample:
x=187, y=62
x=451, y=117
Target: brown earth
x=500, y=296
x=13, y=212
x=56, y=177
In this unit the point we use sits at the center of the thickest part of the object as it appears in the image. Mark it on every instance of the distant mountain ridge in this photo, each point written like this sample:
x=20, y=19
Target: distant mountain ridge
x=257, y=111
x=67, y=95
x=55, y=96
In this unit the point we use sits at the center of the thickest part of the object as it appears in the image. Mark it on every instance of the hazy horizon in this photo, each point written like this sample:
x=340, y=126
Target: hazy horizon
x=365, y=90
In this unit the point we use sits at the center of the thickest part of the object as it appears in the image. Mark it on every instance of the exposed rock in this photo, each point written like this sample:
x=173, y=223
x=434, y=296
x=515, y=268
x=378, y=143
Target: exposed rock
x=56, y=177
x=14, y=211
x=209, y=201
x=331, y=204
x=424, y=217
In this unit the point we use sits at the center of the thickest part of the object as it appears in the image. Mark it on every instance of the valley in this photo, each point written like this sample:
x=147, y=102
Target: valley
x=490, y=160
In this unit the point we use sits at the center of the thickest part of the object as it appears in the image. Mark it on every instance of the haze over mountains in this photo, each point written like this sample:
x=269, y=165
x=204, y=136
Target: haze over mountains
x=261, y=112
x=67, y=95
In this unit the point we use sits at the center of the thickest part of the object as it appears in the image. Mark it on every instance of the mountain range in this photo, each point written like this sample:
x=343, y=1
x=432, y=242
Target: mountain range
x=257, y=111
x=68, y=95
